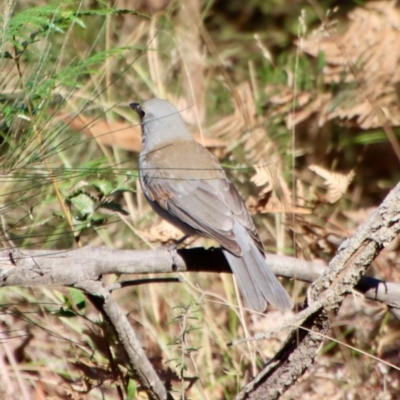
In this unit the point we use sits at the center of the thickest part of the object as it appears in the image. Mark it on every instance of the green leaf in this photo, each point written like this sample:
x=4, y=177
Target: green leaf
x=84, y=203
x=103, y=186
x=78, y=299
x=132, y=390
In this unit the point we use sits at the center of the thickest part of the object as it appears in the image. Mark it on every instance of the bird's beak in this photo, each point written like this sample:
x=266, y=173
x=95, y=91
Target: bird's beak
x=138, y=108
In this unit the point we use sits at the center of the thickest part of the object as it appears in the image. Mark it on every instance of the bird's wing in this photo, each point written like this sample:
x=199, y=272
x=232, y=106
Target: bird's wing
x=239, y=210
x=210, y=206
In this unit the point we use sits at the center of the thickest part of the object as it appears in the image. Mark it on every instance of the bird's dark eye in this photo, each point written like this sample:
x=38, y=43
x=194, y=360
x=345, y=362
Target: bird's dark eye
x=138, y=108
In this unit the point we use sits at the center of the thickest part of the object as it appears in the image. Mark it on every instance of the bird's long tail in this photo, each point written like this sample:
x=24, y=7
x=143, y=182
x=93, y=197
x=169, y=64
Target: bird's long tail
x=256, y=281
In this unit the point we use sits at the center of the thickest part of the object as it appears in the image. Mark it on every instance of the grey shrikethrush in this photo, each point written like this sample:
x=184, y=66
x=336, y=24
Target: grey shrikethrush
x=186, y=185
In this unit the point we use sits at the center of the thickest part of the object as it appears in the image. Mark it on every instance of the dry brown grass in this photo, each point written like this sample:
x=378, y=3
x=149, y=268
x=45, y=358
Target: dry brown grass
x=242, y=108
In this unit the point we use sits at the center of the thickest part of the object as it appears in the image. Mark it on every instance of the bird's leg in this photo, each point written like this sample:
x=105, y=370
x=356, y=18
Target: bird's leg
x=172, y=249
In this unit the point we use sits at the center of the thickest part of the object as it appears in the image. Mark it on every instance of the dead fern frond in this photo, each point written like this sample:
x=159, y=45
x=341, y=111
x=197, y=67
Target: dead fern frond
x=372, y=56
x=336, y=182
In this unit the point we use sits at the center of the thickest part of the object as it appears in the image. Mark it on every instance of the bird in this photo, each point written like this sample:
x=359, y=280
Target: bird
x=186, y=185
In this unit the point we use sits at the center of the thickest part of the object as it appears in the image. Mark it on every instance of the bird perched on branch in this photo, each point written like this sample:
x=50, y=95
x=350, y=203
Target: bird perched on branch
x=186, y=185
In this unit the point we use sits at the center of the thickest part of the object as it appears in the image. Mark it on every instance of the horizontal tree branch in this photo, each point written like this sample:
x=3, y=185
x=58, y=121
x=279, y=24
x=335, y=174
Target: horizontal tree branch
x=30, y=268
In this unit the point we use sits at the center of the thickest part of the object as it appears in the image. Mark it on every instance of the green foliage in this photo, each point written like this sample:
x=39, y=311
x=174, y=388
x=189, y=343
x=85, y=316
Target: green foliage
x=185, y=318
x=89, y=199
x=67, y=59
x=36, y=23
x=38, y=151
x=132, y=390
x=71, y=306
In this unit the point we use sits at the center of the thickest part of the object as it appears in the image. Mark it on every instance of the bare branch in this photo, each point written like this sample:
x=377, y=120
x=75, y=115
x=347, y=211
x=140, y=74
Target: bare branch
x=30, y=268
x=143, y=370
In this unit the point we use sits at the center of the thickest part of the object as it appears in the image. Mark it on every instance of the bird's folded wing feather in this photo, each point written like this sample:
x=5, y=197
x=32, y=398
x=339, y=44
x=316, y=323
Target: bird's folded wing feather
x=210, y=206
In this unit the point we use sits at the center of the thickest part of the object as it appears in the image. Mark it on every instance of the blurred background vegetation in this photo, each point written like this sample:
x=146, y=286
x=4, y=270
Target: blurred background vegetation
x=299, y=100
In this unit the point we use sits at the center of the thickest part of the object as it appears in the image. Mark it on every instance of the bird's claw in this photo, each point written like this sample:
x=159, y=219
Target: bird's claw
x=172, y=249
